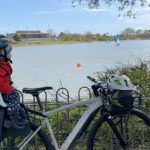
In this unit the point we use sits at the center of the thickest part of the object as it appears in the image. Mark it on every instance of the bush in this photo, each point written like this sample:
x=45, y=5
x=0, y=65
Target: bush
x=139, y=75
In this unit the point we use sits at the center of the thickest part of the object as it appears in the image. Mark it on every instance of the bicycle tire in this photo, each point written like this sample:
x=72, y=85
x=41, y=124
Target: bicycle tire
x=40, y=141
x=101, y=136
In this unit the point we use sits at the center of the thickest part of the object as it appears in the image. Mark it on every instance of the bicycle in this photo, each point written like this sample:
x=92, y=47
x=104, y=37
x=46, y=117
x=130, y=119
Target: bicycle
x=113, y=126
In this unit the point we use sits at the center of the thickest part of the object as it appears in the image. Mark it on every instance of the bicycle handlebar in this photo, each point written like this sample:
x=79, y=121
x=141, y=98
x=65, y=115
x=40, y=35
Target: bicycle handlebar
x=92, y=79
x=97, y=85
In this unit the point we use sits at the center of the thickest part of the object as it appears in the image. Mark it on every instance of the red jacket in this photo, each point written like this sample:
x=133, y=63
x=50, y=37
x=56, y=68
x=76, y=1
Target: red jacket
x=6, y=87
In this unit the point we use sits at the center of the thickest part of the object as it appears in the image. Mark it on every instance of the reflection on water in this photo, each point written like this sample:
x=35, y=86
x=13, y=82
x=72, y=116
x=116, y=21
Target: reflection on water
x=37, y=66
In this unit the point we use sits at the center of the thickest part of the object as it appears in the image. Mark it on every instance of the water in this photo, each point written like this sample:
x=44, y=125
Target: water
x=36, y=66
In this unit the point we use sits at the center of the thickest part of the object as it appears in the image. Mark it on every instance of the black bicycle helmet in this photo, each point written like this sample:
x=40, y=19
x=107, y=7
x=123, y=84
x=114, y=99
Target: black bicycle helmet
x=4, y=44
x=123, y=98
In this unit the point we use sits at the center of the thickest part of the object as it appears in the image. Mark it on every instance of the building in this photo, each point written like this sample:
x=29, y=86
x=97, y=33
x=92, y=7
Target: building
x=29, y=34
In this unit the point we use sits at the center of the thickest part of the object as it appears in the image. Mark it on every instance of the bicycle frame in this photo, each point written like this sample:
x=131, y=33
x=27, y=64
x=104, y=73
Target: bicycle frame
x=93, y=106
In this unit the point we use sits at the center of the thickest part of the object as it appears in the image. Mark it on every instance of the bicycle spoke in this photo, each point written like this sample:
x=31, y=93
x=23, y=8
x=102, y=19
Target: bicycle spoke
x=134, y=131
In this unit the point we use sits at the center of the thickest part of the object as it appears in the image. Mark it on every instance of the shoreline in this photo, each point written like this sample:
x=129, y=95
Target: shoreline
x=37, y=42
x=41, y=42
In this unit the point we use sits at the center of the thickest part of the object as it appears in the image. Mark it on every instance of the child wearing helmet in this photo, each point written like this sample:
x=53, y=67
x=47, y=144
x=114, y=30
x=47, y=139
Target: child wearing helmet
x=9, y=94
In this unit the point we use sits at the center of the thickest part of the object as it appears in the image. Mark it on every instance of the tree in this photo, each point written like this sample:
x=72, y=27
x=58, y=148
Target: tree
x=128, y=31
x=123, y=5
x=88, y=36
x=51, y=33
x=17, y=37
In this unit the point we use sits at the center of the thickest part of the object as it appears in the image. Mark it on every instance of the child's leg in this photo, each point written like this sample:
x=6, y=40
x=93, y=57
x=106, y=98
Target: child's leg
x=13, y=109
x=13, y=104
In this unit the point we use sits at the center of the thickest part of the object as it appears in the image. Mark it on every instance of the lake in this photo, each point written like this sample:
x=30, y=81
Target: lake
x=36, y=66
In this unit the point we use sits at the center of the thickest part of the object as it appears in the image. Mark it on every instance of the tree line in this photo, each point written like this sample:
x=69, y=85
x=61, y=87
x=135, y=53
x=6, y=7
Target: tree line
x=128, y=33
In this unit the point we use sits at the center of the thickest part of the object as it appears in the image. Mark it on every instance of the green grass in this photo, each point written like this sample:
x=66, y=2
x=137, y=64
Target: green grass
x=62, y=123
x=33, y=42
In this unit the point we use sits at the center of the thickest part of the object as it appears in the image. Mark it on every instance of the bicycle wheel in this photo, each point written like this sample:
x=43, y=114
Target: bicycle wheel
x=39, y=142
x=134, y=128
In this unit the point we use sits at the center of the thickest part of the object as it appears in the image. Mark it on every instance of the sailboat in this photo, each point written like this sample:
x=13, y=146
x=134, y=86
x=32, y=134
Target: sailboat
x=117, y=39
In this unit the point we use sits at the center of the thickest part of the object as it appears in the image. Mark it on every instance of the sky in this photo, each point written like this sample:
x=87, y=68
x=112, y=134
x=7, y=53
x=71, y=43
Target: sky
x=60, y=16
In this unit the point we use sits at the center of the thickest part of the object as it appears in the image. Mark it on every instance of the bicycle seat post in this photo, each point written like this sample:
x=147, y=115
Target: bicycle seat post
x=36, y=95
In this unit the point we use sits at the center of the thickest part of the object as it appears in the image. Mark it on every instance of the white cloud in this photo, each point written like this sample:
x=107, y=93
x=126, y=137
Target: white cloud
x=71, y=10
x=45, y=12
x=52, y=12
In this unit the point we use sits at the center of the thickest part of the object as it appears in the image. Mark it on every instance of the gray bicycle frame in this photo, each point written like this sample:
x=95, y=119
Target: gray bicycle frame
x=93, y=105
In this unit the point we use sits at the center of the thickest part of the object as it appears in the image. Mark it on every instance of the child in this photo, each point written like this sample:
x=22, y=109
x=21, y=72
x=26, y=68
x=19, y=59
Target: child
x=9, y=94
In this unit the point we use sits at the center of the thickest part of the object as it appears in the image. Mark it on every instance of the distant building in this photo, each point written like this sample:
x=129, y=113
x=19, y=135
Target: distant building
x=29, y=34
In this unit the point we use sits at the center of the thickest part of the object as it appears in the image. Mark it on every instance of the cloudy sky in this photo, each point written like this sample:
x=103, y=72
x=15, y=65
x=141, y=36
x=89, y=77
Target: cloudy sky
x=60, y=16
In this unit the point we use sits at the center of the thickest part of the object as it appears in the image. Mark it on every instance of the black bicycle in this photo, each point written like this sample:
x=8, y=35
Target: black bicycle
x=118, y=127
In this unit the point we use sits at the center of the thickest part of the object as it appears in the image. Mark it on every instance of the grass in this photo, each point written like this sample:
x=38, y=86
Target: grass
x=33, y=42
x=63, y=123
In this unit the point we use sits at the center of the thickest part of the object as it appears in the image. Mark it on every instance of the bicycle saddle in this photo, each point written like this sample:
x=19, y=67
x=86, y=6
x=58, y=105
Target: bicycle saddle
x=36, y=90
